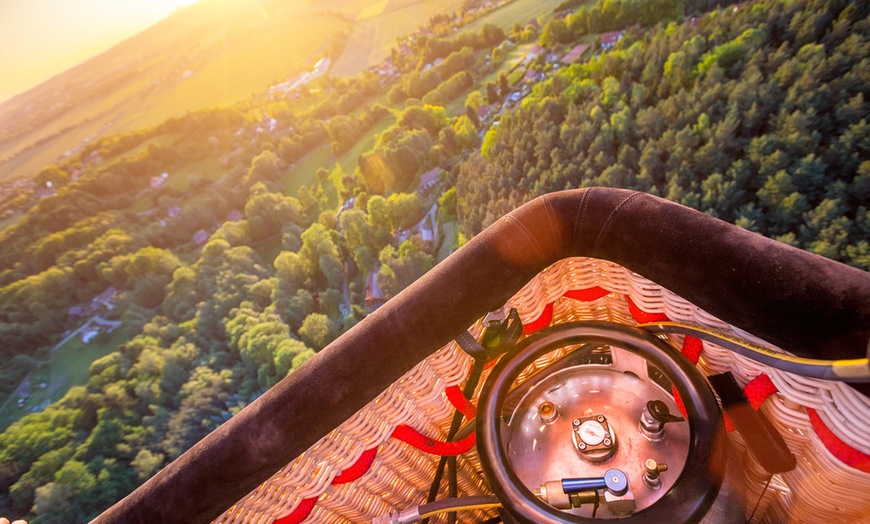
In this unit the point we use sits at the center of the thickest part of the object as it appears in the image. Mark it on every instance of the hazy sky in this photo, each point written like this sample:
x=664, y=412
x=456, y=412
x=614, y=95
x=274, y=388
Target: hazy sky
x=41, y=38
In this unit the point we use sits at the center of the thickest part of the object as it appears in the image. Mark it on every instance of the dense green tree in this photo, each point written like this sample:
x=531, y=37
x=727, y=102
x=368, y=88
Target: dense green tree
x=733, y=117
x=316, y=331
x=265, y=168
x=400, y=267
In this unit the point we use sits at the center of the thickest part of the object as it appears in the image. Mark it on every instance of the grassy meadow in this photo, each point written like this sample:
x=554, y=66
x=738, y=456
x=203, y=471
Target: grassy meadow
x=518, y=11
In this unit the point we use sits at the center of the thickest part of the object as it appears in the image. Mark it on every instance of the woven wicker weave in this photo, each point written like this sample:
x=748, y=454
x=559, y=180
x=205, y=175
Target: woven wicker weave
x=820, y=489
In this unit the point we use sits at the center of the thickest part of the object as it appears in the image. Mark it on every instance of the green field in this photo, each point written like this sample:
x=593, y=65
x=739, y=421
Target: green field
x=348, y=161
x=70, y=363
x=6, y=222
x=208, y=169
x=68, y=367
x=143, y=204
x=372, y=38
x=518, y=11
x=449, y=231
x=303, y=171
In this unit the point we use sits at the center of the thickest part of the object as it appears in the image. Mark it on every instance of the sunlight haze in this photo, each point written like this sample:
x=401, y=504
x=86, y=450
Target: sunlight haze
x=41, y=38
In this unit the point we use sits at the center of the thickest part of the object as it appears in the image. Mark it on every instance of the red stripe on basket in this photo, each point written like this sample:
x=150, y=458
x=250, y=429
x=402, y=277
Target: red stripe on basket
x=692, y=348
x=358, y=468
x=844, y=452
x=759, y=389
x=411, y=436
x=462, y=404
x=300, y=513
x=587, y=295
x=541, y=322
x=640, y=316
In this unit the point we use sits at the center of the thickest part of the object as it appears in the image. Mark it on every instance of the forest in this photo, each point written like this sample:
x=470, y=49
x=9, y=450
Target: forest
x=753, y=113
x=757, y=118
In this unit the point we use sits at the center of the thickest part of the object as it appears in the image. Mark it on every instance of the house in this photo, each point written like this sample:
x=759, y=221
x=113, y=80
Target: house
x=533, y=76
x=174, y=212
x=234, y=216
x=105, y=298
x=482, y=112
x=609, y=40
x=200, y=237
x=106, y=295
x=574, y=54
x=428, y=180
x=427, y=229
x=76, y=312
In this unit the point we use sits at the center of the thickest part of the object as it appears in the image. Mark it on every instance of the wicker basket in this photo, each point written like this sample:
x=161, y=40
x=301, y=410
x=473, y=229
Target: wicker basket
x=826, y=424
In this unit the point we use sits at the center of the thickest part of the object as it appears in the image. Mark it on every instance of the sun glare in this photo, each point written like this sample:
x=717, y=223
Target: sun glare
x=184, y=3
x=175, y=4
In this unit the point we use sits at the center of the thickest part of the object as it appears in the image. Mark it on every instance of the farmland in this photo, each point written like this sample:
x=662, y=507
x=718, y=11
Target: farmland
x=145, y=80
x=518, y=11
x=372, y=37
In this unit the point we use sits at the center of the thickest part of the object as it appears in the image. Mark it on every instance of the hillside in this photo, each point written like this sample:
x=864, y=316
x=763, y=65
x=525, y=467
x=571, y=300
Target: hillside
x=211, y=54
x=157, y=280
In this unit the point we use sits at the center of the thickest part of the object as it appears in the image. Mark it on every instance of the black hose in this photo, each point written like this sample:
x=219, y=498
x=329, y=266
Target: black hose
x=849, y=370
x=452, y=486
x=468, y=391
x=459, y=504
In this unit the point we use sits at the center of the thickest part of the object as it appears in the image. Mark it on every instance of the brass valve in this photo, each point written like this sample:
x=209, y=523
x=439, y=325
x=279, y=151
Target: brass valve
x=653, y=470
